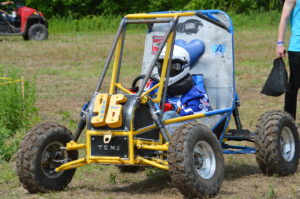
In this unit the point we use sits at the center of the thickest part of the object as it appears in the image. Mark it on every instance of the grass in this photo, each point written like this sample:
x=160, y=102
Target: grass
x=67, y=67
x=17, y=109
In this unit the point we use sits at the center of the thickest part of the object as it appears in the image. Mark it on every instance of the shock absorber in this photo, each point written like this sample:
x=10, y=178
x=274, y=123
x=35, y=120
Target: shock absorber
x=82, y=122
x=158, y=121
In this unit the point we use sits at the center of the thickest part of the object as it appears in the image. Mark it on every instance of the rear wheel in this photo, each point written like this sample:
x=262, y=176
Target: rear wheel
x=196, y=162
x=40, y=153
x=277, y=144
x=37, y=32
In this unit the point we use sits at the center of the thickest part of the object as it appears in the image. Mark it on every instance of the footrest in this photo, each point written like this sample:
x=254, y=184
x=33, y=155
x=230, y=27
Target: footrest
x=240, y=135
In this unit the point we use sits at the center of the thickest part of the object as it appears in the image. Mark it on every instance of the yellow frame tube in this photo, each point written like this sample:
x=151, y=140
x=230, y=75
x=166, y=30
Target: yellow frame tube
x=150, y=145
x=144, y=129
x=184, y=118
x=116, y=63
x=165, y=15
x=153, y=163
x=131, y=147
x=164, y=69
x=150, y=90
x=74, y=146
x=108, y=161
x=153, y=147
x=119, y=85
x=72, y=165
x=104, y=158
x=161, y=161
x=136, y=142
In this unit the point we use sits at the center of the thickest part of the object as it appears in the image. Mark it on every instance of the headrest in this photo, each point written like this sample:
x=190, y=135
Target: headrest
x=195, y=49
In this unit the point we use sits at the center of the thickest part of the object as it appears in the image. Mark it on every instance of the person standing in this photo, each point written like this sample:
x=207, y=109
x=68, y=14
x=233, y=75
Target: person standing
x=291, y=12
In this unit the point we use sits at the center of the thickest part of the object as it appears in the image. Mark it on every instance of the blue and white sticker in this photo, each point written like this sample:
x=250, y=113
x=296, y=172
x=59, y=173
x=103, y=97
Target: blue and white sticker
x=218, y=49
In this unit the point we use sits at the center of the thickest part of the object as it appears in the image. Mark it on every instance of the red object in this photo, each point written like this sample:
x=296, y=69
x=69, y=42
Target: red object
x=156, y=42
x=24, y=13
x=168, y=107
x=132, y=90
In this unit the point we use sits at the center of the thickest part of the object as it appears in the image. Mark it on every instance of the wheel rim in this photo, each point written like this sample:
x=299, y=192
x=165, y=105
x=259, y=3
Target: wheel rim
x=204, y=160
x=287, y=144
x=38, y=34
x=53, y=157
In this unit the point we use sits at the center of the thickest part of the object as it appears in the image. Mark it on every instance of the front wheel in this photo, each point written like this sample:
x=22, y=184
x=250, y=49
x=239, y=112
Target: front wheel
x=37, y=32
x=277, y=144
x=196, y=162
x=38, y=156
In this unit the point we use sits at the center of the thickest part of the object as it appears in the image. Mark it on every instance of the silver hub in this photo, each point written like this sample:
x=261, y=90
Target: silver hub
x=287, y=144
x=53, y=157
x=204, y=160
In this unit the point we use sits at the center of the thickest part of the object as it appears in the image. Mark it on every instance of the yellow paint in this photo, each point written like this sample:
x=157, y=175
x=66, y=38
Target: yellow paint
x=144, y=99
x=164, y=15
x=150, y=90
x=100, y=108
x=161, y=161
x=71, y=165
x=164, y=69
x=115, y=66
x=144, y=129
x=114, y=116
x=137, y=142
x=163, y=147
x=153, y=163
x=184, y=118
x=74, y=146
x=10, y=82
x=119, y=85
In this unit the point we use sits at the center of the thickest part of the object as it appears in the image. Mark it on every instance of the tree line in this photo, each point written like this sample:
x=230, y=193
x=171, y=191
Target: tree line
x=80, y=8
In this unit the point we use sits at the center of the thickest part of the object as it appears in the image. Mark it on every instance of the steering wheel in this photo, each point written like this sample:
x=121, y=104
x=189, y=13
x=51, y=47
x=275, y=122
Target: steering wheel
x=135, y=88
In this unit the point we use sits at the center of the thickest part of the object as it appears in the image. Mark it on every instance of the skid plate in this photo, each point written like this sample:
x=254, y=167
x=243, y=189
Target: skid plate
x=118, y=146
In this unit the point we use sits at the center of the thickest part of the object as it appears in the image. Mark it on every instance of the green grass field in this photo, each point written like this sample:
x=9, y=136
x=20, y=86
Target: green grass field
x=66, y=68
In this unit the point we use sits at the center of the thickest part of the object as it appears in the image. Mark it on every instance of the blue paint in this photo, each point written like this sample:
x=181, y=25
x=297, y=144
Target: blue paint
x=218, y=49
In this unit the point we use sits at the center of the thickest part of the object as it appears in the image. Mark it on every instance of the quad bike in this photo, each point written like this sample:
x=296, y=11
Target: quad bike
x=24, y=21
x=125, y=126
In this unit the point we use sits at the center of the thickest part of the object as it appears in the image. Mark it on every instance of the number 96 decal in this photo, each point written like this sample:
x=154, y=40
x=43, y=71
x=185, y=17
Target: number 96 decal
x=108, y=115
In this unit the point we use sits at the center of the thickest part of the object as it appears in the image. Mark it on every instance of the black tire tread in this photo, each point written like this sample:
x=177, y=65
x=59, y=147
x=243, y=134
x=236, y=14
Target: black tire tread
x=32, y=27
x=27, y=151
x=180, y=175
x=268, y=155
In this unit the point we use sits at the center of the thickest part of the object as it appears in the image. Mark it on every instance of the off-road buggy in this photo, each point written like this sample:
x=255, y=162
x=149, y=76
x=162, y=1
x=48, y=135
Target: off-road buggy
x=125, y=127
x=20, y=20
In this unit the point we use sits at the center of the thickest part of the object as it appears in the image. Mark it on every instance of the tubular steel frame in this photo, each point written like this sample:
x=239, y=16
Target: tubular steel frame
x=161, y=145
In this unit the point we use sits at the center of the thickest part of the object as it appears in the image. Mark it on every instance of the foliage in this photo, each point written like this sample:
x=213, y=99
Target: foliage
x=16, y=110
x=78, y=8
x=110, y=24
x=85, y=24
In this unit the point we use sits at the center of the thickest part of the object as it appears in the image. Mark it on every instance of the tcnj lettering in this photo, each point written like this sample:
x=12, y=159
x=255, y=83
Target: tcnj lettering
x=109, y=147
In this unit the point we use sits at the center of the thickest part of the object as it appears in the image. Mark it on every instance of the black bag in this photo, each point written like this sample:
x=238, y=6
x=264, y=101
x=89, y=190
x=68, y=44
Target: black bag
x=277, y=81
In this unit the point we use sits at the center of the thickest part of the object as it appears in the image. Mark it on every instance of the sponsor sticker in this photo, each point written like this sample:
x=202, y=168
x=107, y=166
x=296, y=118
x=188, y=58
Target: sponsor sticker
x=218, y=49
x=156, y=42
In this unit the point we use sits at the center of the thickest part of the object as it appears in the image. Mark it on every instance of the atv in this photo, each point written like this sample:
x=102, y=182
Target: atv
x=25, y=21
x=126, y=126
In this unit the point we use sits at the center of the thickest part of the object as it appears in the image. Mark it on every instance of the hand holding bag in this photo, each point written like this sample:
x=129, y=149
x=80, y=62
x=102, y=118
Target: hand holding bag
x=277, y=81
